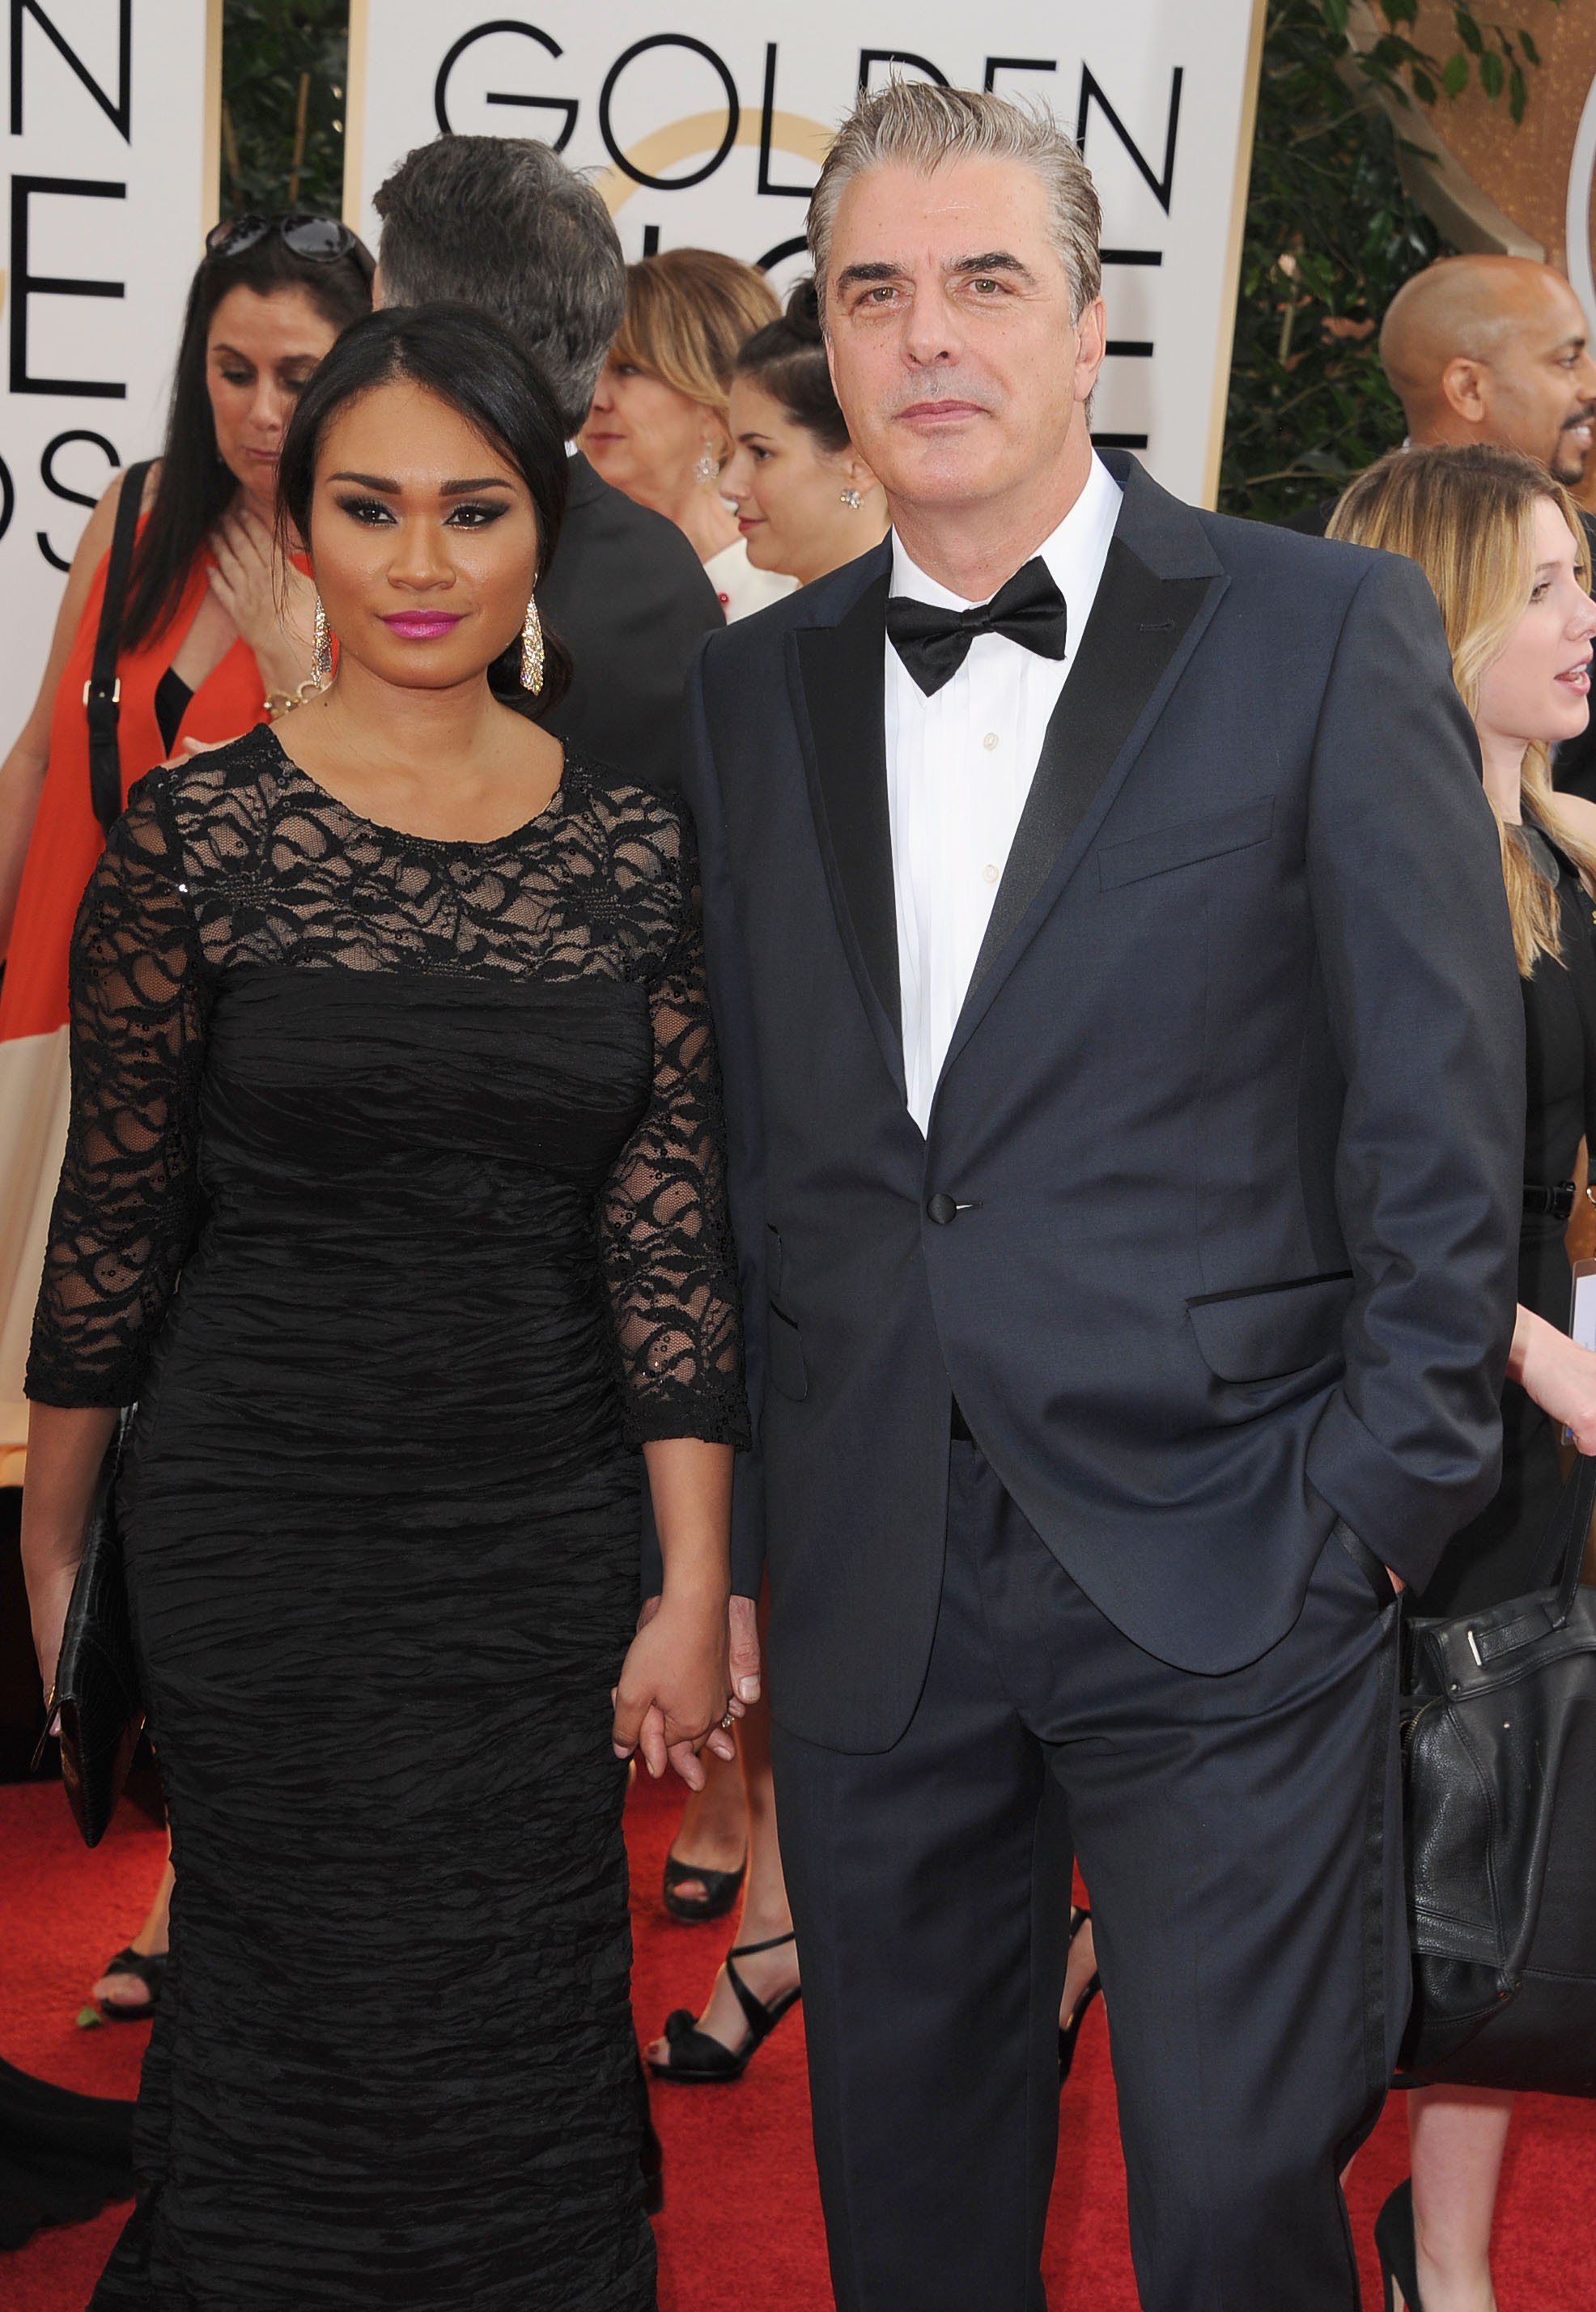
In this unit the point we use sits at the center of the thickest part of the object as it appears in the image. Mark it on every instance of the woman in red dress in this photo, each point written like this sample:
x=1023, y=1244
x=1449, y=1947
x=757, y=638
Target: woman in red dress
x=214, y=622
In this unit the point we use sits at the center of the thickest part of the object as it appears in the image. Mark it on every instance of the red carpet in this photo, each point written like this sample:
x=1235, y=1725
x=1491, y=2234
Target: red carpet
x=741, y=2231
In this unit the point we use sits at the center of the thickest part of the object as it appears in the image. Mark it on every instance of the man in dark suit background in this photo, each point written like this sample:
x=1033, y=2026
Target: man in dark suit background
x=1123, y=1060
x=500, y=221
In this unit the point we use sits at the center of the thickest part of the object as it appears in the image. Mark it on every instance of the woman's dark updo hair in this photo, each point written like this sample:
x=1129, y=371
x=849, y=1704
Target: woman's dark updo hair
x=787, y=359
x=195, y=489
x=470, y=361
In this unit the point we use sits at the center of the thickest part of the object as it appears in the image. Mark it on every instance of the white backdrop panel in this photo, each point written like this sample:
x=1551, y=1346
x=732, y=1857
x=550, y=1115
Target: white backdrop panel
x=110, y=154
x=704, y=124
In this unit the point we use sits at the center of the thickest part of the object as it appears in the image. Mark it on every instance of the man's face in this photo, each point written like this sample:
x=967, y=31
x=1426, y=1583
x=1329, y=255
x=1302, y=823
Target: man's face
x=1538, y=386
x=959, y=370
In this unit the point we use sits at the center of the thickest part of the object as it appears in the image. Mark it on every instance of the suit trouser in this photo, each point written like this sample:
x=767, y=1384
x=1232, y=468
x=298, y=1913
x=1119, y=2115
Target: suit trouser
x=1239, y=1836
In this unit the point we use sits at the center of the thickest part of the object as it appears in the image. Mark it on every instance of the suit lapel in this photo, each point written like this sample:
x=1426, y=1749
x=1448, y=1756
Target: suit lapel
x=1161, y=584
x=839, y=691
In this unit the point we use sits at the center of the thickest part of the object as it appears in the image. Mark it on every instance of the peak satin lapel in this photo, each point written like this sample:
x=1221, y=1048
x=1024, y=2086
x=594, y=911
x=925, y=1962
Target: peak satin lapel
x=1142, y=628
x=840, y=681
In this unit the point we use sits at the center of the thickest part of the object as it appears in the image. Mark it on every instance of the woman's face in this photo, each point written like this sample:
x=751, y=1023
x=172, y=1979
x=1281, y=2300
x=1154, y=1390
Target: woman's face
x=1537, y=691
x=644, y=436
x=423, y=541
x=260, y=352
x=787, y=490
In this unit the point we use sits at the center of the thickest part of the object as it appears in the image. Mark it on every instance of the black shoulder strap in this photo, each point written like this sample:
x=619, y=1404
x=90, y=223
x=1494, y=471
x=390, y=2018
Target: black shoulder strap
x=102, y=692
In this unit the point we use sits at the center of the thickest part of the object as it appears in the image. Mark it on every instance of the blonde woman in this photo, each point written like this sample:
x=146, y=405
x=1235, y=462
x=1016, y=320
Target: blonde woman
x=1502, y=545
x=659, y=427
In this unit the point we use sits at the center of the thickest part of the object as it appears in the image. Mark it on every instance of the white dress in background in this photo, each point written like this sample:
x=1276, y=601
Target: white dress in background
x=742, y=589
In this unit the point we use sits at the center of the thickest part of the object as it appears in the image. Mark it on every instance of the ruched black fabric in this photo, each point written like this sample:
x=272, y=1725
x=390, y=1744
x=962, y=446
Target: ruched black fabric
x=393, y=1195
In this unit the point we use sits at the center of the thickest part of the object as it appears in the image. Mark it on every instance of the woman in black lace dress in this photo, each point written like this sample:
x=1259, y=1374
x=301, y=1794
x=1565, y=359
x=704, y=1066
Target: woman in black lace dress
x=393, y=1196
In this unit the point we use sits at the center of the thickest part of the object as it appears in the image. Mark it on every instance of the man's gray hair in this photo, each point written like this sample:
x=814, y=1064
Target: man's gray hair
x=501, y=222
x=917, y=125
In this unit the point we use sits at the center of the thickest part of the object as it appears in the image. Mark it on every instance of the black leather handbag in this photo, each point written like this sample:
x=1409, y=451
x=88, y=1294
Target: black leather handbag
x=96, y=1692
x=1499, y=1766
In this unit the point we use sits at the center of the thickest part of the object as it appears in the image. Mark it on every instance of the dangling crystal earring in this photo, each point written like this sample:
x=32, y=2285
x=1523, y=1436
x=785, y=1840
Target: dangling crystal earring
x=707, y=466
x=322, y=662
x=852, y=501
x=532, y=648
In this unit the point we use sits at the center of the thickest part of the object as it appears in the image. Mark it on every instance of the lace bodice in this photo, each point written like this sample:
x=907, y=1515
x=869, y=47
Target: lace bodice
x=231, y=872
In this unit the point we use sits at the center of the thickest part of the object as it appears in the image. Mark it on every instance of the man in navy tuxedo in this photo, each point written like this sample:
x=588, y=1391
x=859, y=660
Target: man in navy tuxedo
x=1124, y=1058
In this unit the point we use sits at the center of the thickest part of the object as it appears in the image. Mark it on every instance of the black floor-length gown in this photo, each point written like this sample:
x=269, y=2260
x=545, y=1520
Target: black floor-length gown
x=394, y=1197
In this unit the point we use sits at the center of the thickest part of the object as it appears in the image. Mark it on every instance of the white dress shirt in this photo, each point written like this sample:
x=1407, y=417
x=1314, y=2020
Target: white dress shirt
x=959, y=766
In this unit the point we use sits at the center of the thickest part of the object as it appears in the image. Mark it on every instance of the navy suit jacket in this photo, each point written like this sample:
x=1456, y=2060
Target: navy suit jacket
x=1232, y=1118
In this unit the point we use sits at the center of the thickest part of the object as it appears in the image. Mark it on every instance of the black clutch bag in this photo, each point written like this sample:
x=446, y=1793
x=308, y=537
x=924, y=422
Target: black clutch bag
x=1499, y=1767
x=96, y=1693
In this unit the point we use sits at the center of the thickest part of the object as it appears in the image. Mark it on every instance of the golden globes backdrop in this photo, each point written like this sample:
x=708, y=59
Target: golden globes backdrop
x=704, y=125
x=111, y=110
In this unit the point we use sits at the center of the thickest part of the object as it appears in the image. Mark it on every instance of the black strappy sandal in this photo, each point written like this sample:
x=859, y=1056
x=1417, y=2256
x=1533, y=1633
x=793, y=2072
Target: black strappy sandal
x=1068, y=2033
x=151, y=1971
x=706, y=2060
x=721, y=1891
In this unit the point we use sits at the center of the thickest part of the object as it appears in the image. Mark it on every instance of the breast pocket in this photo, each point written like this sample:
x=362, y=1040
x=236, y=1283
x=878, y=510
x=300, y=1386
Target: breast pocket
x=1166, y=848
x=1268, y=1330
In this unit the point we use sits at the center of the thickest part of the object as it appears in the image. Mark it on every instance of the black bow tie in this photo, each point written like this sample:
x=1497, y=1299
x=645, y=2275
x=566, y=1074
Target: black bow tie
x=934, y=643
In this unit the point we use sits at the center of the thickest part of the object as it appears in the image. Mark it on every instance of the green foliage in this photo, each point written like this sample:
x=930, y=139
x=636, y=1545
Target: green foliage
x=282, y=66
x=1331, y=237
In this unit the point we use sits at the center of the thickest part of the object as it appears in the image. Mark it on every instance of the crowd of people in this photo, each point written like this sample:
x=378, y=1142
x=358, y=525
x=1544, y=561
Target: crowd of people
x=570, y=1102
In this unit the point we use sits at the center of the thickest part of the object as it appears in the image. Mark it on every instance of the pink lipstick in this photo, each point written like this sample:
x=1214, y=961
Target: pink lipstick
x=421, y=626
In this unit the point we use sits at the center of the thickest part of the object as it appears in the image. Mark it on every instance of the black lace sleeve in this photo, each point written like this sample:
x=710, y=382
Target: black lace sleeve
x=665, y=1232
x=127, y=1205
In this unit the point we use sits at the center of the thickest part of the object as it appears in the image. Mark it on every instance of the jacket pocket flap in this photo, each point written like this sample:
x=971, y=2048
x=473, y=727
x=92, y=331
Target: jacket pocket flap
x=1182, y=846
x=1269, y=1329
x=789, y=1372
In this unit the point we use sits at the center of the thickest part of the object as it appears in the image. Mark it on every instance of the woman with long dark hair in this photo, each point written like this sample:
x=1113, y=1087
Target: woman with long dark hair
x=215, y=618
x=391, y=1039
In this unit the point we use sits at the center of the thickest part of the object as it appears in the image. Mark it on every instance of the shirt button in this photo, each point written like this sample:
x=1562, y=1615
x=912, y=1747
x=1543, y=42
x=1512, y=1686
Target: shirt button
x=988, y=874
x=990, y=741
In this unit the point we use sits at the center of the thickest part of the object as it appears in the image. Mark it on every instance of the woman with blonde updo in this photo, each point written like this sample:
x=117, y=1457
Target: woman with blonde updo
x=658, y=428
x=1503, y=546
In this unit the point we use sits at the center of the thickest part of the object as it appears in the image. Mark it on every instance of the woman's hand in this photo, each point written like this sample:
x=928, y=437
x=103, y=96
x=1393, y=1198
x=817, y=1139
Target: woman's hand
x=675, y=1686
x=65, y=1449
x=272, y=605
x=1558, y=1373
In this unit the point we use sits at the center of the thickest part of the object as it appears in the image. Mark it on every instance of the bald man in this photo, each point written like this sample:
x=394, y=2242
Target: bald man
x=1494, y=349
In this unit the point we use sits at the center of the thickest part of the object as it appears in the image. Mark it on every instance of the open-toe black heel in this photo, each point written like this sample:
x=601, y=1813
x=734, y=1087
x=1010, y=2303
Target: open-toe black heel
x=150, y=1968
x=1068, y=2033
x=720, y=1889
x=699, y=2060
x=1398, y=2249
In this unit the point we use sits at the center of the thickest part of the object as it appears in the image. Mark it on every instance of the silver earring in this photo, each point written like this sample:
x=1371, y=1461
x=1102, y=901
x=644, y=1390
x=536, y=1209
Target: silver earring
x=532, y=650
x=852, y=501
x=322, y=662
x=707, y=466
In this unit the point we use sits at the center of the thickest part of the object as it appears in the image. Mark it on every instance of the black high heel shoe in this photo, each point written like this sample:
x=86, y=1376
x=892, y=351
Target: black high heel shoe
x=1068, y=2033
x=721, y=1891
x=699, y=2060
x=150, y=1969
x=1398, y=2249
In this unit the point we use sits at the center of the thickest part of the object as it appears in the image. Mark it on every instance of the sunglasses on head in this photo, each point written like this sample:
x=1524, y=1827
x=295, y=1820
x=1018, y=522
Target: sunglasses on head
x=320, y=239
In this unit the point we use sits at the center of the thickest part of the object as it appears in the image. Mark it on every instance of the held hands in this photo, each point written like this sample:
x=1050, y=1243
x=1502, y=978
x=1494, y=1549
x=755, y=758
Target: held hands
x=692, y=1664
x=271, y=604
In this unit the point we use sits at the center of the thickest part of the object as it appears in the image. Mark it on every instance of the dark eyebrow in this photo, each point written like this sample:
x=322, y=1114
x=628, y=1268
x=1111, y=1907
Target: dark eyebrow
x=449, y=490
x=879, y=270
x=996, y=261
